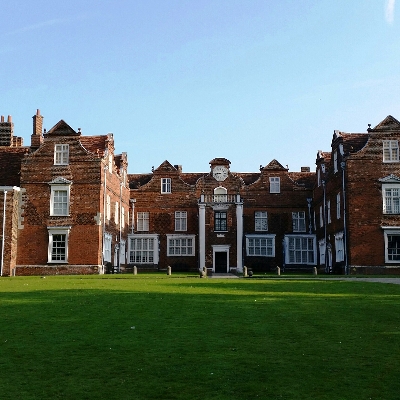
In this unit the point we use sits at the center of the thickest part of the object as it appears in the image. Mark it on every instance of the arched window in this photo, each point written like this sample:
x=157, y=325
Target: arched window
x=220, y=195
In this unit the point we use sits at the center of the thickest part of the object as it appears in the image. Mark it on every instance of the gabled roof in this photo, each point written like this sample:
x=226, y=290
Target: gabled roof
x=325, y=155
x=94, y=144
x=191, y=178
x=61, y=128
x=354, y=142
x=275, y=165
x=138, y=180
x=165, y=167
x=12, y=158
x=248, y=177
x=304, y=179
x=388, y=124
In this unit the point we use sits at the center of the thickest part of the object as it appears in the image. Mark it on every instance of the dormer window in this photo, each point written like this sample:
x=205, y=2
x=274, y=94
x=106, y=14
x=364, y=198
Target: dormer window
x=61, y=154
x=390, y=151
x=166, y=185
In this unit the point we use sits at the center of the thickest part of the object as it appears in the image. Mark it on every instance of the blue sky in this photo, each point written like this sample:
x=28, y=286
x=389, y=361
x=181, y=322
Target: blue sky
x=191, y=80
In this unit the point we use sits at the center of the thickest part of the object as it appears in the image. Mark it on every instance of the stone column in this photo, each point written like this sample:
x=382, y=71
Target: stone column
x=239, y=234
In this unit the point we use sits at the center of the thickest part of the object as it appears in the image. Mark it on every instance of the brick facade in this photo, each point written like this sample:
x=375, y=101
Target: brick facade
x=220, y=218
x=71, y=208
x=358, y=172
x=58, y=211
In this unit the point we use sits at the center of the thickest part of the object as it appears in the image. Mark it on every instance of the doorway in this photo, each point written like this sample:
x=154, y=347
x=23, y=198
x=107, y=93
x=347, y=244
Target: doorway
x=221, y=262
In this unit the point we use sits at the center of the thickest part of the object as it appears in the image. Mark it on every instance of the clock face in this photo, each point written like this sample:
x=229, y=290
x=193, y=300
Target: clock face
x=220, y=173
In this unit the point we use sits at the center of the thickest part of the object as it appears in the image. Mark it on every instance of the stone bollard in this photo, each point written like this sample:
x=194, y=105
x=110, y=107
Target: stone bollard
x=134, y=270
x=203, y=272
x=245, y=272
x=278, y=271
x=315, y=272
x=168, y=270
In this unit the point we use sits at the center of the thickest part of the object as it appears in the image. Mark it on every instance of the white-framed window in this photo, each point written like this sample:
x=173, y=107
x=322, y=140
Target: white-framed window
x=390, y=151
x=165, y=185
x=107, y=247
x=299, y=221
x=180, y=220
x=339, y=247
x=58, y=244
x=335, y=161
x=338, y=206
x=391, y=199
x=143, y=221
x=122, y=217
x=392, y=244
x=61, y=154
x=274, y=185
x=321, y=217
x=322, y=250
x=122, y=252
x=108, y=208
x=260, y=245
x=261, y=221
x=143, y=249
x=300, y=249
x=59, y=197
x=116, y=214
x=180, y=245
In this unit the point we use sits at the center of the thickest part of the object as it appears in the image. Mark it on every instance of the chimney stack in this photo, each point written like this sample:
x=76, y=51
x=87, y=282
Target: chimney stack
x=6, y=131
x=37, y=137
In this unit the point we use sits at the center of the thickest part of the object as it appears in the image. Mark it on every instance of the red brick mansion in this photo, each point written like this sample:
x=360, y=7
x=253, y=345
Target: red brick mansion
x=68, y=206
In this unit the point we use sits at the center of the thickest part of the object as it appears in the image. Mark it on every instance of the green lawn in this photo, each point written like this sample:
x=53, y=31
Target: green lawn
x=182, y=337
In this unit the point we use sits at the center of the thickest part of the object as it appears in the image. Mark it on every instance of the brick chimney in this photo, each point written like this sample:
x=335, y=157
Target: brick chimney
x=6, y=131
x=37, y=137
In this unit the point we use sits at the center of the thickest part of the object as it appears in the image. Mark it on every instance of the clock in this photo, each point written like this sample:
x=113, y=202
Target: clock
x=220, y=173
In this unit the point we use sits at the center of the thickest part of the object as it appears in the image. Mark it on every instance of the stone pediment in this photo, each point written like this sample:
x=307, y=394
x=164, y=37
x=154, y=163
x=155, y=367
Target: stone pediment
x=389, y=123
x=62, y=129
x=60, y=181
x=390, y=179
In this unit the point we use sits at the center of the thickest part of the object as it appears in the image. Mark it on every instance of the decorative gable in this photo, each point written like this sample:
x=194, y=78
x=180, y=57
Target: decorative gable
x=165, y=167
x=275, y=165
x=390, y=179
x=62, y=129
x=388, y=124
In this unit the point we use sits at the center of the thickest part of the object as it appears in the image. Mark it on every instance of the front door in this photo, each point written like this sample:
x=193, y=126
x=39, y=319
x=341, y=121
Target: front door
x=221, y=262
